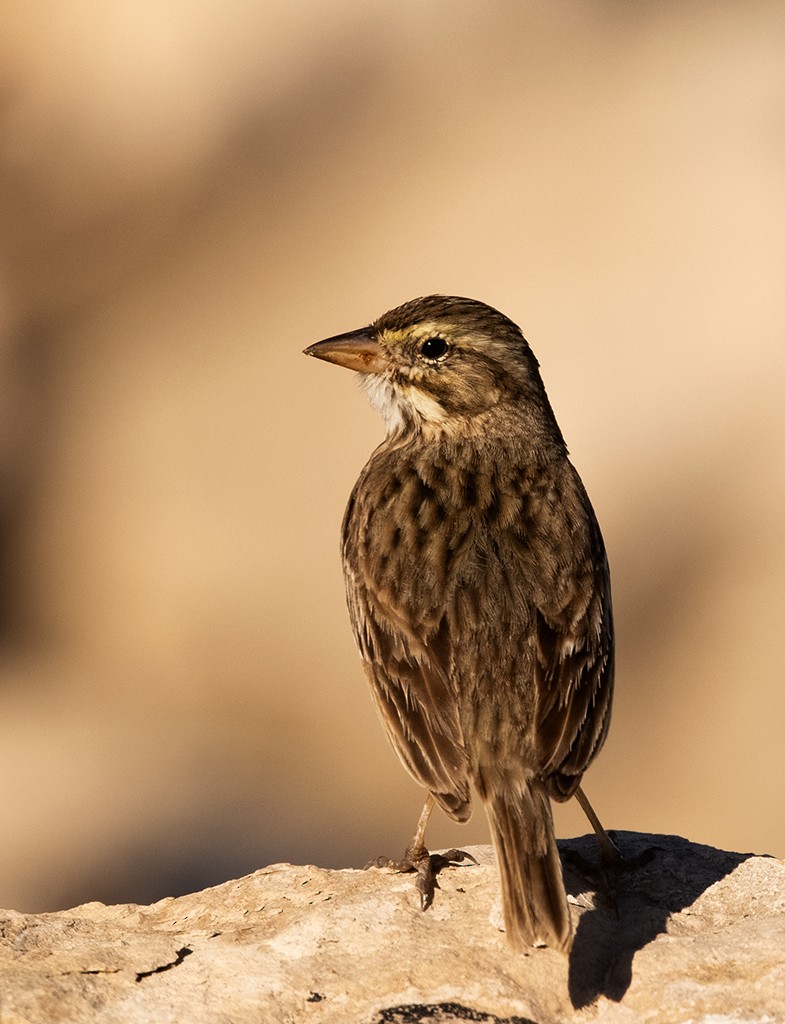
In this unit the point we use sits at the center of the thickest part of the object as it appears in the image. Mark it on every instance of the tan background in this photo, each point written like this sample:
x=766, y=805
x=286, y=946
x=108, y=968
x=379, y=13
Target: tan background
x=189, y=194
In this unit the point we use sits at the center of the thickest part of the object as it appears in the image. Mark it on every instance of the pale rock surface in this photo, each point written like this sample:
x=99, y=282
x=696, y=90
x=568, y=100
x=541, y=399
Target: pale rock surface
x=698, y=935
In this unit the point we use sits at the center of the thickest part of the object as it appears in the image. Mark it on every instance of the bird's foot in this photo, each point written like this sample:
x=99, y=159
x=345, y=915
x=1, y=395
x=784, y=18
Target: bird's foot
x=611, y=860
x=426, y=865
x=611, y=866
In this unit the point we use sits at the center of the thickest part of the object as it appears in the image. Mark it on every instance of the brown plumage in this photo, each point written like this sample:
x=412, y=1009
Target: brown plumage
x=478, y=586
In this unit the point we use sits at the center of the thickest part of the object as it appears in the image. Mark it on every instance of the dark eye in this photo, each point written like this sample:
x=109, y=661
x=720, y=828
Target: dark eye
x=434, y=348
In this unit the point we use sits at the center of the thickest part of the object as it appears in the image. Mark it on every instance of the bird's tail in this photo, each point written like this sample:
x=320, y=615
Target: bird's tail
x=535, y=905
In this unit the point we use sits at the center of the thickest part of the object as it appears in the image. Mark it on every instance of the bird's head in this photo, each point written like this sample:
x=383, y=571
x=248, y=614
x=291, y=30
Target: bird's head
x=443, y=364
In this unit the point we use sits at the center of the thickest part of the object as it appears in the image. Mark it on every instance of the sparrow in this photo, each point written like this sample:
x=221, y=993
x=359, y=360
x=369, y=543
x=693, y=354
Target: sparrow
x=478, y=590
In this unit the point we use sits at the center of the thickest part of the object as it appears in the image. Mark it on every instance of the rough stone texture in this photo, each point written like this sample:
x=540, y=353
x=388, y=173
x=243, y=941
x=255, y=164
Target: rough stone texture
x=697, y=935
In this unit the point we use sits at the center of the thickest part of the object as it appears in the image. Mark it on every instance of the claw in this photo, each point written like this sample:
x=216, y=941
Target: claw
x=427, y=865
x=427, y=883
x=452, y=858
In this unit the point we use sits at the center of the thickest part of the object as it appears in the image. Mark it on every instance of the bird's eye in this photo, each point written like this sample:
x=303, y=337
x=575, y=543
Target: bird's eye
x=434, y=348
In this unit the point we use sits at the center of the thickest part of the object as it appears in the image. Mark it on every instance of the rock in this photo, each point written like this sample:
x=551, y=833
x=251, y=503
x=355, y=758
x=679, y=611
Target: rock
x=697, y=934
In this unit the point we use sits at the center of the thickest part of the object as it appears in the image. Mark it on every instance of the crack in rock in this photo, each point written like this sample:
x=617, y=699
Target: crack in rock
x=442, y=1013
x=181, y=955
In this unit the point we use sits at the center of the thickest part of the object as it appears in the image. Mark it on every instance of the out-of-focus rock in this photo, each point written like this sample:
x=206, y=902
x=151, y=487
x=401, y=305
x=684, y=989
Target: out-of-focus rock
x=697, y=934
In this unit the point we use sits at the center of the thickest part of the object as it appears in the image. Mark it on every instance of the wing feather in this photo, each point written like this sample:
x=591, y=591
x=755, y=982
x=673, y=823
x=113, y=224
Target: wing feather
x=573, y=674
x=411, y=686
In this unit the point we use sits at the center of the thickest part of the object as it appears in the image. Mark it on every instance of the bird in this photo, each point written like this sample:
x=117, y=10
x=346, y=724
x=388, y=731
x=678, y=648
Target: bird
x=478, y=589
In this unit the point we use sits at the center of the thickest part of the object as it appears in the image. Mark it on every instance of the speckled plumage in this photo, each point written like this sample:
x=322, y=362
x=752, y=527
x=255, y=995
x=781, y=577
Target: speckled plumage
x=478, y=586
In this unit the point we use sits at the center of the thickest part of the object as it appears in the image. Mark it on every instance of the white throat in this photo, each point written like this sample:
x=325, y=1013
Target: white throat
x=395, y=409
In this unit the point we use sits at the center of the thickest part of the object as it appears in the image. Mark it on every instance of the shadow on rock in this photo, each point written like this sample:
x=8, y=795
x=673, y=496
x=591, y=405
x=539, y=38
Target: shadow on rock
x=670, y=875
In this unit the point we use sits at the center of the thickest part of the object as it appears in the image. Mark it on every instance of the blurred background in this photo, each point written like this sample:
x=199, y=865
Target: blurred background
x=190, y=193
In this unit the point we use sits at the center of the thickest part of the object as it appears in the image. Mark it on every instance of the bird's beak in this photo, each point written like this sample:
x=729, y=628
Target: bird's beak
x=357, y=350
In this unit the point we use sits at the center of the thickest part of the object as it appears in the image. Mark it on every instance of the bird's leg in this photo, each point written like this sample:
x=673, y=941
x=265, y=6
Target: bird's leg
x=612, y=864
x=609, y=851
x=611, y=861
x=416, y=848
x=417, y=858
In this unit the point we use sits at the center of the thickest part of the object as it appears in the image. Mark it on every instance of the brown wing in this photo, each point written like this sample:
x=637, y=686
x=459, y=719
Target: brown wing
x=409, y=677
x=574, y=684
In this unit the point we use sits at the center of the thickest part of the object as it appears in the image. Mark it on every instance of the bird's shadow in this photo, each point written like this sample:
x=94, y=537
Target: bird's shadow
x=665, y=874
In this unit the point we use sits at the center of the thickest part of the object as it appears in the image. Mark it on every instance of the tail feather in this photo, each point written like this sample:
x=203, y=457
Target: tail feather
x=535, y=905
